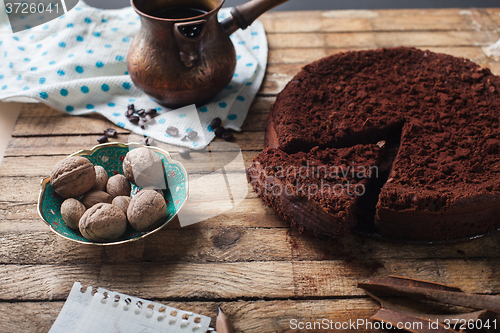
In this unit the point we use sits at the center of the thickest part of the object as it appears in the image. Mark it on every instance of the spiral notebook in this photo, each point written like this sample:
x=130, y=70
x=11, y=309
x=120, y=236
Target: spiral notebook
x=107, y=311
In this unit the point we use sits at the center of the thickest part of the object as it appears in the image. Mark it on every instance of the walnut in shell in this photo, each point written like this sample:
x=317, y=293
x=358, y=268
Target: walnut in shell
x=144, y=168
x=102, y=223
x=147, y=210
x=94, y=197
x=72, y=211
x=118, y=185
x=73, y=177
x=122, y=202
x=101, y=178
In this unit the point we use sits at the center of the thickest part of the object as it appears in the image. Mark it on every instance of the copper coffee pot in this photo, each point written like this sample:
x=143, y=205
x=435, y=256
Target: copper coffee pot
x=189, y=60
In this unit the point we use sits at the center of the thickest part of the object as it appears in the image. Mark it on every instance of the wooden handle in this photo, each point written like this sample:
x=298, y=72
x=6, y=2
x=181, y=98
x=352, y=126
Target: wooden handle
x=245, y=14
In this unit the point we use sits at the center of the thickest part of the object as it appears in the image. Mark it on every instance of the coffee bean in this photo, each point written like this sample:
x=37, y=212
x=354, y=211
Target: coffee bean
x=102, y=139
x=129, y=113
x=148, y=118
x=227, y=136
x=172, y=131
x=219, y=131
x=148, y=141
x=141, y=112
x=151, y=112
x=216, y=122
x=192, y=135
x=142, y=123
x=184, y=153
x=110, y=132
x=131, y=107
x=134, y=119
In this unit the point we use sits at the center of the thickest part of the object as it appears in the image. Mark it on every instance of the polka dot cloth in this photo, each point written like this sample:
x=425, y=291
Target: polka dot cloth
x=77, y=64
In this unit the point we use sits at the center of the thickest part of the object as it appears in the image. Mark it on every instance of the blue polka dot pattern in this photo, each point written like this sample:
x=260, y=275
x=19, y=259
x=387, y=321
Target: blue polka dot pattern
x=61, y=72
x=33, y=69
x=21, y=48
x=44, y=95
x=126, y=85
x=121, y=125
x=232, y=117
x=97, y=34
x=105, y=87
x=88, y=20
x=111, y=105
x=64, y=92
x=249, y=83
x=119, y=58
x=79, y=69
x=26, y=88
x=85, y=89
x=162, y=121
x=69, y=108
x=62, y=44
x=4, y=87
x=240, y=98
x=42, y=80
x=52, y=63
x=223, y=105
x=70, y=25
x=1, y=77
x=90, y=51
x=89, y=106
x=108, y=46
x=126, y=39
x=79, y=39
x=116, y=114
x=204, y=109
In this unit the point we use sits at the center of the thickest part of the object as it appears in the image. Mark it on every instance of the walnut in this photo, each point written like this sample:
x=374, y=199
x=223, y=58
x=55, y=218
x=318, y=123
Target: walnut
x=118, y=185
x=94, y=197
x=72, y=210
x=101, y=178
x=144, y=168
x=73, y=177
x=122, y=202
x=103, y=222
x=147, y=210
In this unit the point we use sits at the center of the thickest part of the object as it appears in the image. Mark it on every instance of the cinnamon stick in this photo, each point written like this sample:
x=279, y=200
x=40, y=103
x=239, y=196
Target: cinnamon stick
x=410, y=323
x=429, y=291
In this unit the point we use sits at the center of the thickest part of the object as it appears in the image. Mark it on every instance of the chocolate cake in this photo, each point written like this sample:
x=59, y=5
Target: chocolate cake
x=442, y=111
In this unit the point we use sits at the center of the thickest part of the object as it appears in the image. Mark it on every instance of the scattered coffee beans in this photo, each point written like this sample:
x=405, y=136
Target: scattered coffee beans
x=129, y=113
x=142, y=123
x=148, y=118
x=219, y=131
x=172, y=131
x=102, y=139
x=228, y=135
x=131, y=107
x=110, y=133
x=141, y=112
x=184, y=153
x=192, y=135
x=134, y=119
x=151, y=112
x=216, y=122
x=148, y=141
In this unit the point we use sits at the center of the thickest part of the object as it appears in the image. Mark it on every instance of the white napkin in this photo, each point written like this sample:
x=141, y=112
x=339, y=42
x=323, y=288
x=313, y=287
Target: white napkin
x=77, y=65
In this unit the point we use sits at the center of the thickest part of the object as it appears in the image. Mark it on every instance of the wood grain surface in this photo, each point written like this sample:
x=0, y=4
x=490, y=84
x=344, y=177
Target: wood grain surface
x=247, y=260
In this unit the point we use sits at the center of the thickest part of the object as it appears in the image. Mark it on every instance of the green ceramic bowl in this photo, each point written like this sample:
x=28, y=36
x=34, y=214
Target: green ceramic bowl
x=110, y=156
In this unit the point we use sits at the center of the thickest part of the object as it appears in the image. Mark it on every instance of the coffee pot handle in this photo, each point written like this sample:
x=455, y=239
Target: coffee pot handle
x=244, y=15
x=188, y=36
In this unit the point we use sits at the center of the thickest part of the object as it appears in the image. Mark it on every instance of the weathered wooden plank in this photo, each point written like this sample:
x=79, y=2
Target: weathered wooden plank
x=250, y=213
x=33, y=110
x=383, y=39
x=199, y=162
x=377, y=20
x=305, y=56
x=246, y=316
x=65, y=145
x=240, y=280
x=31, y=242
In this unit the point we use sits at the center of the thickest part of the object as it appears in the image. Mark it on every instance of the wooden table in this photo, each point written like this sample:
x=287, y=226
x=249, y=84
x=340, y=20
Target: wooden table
x=247, y=260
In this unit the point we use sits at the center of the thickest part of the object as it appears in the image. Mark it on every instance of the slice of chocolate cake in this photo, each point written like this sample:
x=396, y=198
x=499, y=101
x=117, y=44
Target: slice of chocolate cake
x=317, y=191
x=445, y=180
